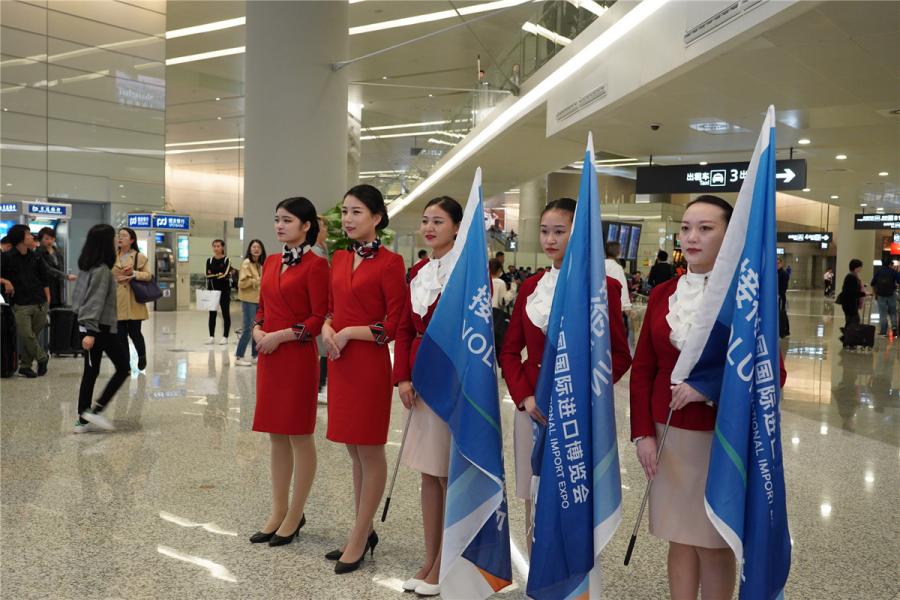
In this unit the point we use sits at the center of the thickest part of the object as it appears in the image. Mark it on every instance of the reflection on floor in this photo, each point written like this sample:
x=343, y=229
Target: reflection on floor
x=163, y=507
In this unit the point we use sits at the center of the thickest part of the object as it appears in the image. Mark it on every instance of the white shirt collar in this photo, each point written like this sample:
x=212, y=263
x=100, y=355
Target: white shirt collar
x=539, y=303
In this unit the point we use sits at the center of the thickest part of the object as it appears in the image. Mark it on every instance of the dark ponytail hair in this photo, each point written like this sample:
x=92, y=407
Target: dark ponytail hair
x=449, y=206
x=715, y=201
x=99, y=247
x=564, y=204
x=304, y=210
x=133, y=237
x=374, y=201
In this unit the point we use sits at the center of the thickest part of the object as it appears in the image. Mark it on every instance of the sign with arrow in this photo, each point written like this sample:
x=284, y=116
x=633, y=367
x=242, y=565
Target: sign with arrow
x=805, y=237
x=714, y=177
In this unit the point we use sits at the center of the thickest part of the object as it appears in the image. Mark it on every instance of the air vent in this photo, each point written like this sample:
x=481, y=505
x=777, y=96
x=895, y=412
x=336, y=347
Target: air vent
x=721, y=18
x=836, y=170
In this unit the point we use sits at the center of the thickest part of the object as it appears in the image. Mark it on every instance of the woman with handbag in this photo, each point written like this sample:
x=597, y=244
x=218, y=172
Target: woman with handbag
x=218, y=278
x=249, y=282
x=130, y=265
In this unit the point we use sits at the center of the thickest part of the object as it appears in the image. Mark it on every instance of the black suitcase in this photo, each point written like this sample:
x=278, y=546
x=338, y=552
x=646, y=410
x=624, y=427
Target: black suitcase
x=8, y=350
x=861, y=335
x=64, y=338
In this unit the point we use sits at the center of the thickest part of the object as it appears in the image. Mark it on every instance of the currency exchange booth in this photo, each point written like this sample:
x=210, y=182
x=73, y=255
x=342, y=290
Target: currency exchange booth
x=165, y=238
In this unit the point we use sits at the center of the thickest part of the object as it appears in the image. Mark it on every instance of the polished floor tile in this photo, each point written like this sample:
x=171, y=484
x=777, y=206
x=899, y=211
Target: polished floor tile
x=163, y=507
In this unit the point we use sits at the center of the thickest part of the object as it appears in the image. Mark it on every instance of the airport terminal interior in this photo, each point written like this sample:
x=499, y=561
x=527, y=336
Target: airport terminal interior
x=188, y=121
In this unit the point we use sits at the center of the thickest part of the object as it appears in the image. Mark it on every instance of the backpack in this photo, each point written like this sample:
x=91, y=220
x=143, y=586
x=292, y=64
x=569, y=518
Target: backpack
x=885, y=284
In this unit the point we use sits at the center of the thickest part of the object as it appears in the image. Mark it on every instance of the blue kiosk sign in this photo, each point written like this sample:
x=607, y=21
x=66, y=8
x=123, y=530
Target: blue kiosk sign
x=139, y=221
x=159, y=222
x=40, y=209
x=172, y=222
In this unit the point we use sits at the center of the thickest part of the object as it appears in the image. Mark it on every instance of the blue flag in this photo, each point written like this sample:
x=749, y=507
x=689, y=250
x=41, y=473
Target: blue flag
x=732, y=354
x=456, y=375
x=576, y=460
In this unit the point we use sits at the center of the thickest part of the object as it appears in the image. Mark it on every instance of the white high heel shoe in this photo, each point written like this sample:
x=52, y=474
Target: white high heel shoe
x=428, y=589
x=411, y=584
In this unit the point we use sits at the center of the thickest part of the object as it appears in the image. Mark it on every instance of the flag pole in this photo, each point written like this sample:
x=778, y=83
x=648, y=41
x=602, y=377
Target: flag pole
x=662, y=442
x=387, y=502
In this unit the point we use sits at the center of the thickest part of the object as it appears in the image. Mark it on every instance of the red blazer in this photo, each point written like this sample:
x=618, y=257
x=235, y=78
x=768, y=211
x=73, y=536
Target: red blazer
x=410, y=332
x=651, y=373
x=521, y=376
x=299, y=296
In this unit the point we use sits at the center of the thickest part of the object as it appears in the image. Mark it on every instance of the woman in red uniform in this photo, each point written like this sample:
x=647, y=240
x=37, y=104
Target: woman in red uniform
x=527, y=330
x=698, y=556
x=292, y=304
x=427, y=447
x=368, y=297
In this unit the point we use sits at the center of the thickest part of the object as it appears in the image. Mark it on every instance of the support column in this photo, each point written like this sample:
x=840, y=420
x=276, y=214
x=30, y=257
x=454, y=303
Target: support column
x=296, y=109
x=852, y=244
x=532, y=199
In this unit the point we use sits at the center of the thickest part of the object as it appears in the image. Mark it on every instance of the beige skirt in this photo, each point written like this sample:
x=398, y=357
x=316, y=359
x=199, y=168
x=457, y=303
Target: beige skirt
x=677, y=509
x=427, y=447
x=523, y=444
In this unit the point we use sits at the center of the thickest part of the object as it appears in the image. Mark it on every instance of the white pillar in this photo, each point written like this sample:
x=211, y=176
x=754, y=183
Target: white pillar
x=852, y=243
x=296, y=109
x=532, y=199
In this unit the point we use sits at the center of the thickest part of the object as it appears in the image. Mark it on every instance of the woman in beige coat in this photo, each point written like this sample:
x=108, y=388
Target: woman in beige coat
x=130, y=264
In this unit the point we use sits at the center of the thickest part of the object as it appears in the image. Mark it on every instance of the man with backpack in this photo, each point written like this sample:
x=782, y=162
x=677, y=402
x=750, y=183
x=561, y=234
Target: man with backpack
x=884, y=283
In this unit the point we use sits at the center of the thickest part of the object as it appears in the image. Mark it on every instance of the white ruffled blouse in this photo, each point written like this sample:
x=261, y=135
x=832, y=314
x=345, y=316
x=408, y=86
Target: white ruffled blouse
x=428, y=284
x=683, y=305
x=538, y=304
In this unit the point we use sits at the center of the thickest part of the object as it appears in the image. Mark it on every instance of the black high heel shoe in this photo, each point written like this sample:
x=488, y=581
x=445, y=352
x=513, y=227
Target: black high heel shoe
x=277, y=540
x=372, y=542
x=341, y=567
x=259, y=537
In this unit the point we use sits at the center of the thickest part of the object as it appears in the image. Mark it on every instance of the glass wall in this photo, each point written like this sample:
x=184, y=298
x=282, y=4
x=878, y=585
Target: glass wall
x=83, y=103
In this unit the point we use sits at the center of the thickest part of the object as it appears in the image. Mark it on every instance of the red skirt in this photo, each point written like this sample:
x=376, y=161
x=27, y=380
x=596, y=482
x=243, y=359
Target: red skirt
x=359, y=394
x=287, y=389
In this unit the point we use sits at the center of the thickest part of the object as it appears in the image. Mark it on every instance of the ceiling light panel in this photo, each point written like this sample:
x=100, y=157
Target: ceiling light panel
x=205, y=142
x=406, y=125
x=205, y=55
x=436, y=16
x=206, y=28
x=545, y=33
x=192, y=150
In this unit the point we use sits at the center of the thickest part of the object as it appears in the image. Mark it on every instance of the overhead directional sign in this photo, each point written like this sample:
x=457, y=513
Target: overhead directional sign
x=877, y=221
x=47, y=209
x=804, y=237
x=715, y=177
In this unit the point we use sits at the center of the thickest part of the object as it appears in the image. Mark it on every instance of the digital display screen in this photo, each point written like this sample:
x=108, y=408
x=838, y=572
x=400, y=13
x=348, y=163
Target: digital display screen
x=634, y=243
x=160, y=239
x=183, y=249
x=624, y=233
x=613, y=232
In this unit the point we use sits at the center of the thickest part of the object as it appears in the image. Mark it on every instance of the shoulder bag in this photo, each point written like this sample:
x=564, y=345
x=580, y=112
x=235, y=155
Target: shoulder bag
x=144, y=291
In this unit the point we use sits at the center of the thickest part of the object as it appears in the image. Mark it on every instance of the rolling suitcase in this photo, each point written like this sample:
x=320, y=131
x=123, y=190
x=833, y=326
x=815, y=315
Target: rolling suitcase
x=8, y=351
x=861, y=335
x=64, y=338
